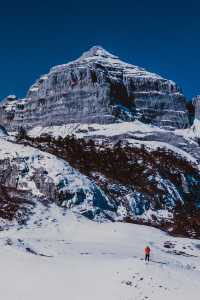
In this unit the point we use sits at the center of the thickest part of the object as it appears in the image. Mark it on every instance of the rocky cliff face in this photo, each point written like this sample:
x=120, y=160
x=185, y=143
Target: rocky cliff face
x=195, y=128
x=97, y=88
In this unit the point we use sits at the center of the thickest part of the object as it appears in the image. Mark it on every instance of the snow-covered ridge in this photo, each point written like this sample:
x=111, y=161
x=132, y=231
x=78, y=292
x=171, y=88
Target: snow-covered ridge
x=83, y=130
x=135, y=133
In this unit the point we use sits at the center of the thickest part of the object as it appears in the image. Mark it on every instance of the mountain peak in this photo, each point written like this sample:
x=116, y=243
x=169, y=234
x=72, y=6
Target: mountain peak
x=97, y=51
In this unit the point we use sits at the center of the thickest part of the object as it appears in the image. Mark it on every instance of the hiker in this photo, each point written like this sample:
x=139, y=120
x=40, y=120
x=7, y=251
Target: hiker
x=147, y=251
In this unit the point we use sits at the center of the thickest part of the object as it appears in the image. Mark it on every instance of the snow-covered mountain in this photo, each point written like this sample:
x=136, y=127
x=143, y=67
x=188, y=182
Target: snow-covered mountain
x=97, y=88
x=105, y=138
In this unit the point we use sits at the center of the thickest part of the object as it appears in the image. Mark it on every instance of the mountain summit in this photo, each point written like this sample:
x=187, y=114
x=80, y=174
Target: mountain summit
x=98, y=88
x=98, y=51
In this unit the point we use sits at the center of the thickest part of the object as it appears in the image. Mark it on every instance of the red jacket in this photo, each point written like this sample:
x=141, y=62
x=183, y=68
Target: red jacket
x=147, y=250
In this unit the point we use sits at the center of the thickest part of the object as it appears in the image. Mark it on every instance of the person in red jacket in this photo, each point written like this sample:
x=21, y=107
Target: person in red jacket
x=147, y=252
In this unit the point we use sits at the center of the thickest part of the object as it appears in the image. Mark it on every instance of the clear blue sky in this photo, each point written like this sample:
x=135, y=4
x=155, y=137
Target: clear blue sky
x=162, y=36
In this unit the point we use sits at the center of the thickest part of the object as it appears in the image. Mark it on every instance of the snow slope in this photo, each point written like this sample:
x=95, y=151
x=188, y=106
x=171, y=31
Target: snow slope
x=89, y=130
x=78, y=259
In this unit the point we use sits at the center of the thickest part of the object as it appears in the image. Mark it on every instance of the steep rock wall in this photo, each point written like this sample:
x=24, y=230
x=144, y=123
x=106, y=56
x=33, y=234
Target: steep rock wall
x=98, y=88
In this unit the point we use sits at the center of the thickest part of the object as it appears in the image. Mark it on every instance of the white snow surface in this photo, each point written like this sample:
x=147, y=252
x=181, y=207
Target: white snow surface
x=107, y=130
x=78, y=259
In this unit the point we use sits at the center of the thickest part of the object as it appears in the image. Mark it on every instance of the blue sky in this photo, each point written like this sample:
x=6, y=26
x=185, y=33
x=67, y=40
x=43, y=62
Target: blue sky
x=161, y=36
